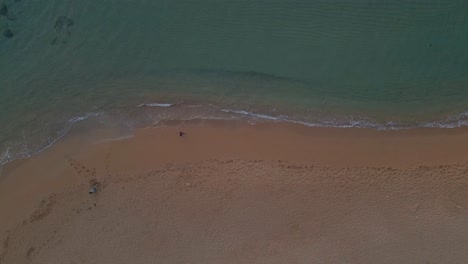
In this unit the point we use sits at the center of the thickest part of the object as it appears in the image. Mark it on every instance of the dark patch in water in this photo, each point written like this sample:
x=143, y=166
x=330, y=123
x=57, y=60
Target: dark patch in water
x=8, y=33
x=62, y=30
x=63, y=22
x=3, y=10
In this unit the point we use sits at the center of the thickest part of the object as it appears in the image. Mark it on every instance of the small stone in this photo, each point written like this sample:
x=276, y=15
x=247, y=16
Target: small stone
x=7, y=33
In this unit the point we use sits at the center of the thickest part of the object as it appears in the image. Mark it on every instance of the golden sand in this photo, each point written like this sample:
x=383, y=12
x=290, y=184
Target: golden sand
x=230, y=192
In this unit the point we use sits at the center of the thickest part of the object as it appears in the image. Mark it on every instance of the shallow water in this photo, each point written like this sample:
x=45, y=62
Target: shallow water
x=383, y=64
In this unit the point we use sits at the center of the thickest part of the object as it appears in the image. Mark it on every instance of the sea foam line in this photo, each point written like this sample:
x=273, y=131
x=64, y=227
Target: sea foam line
x=155, y=105
x=325, y=123
x=7, y=159
x=454, y=121
x=263, y=116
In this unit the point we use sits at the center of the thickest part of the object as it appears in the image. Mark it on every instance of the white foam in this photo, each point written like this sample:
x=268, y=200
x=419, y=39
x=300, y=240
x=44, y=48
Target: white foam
x=455, y=121
x=80, y=118
x=155, y=105
x=241, y=112
x=8, y=158
x=5, y=156
x=325, y=123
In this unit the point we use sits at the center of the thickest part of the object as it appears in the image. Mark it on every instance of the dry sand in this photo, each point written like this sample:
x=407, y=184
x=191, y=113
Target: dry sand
x=230, y=192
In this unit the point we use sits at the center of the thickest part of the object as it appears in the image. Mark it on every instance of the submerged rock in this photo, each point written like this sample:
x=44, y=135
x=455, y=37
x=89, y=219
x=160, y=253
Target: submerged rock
x=63, y=22
x=62, y=30
x=8, y=33
x=3, y=10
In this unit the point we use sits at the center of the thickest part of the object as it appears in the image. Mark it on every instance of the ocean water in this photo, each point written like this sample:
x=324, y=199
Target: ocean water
x=381, y=64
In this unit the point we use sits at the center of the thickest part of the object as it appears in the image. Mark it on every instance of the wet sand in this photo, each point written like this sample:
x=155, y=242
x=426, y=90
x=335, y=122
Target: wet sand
x=230, y=192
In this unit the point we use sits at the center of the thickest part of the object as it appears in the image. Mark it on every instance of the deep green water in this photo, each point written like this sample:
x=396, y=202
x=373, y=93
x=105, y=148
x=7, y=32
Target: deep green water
x=384, y=64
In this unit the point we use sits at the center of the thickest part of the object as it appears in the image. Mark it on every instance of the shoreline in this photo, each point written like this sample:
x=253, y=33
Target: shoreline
x=152, y=113
x=67, y=166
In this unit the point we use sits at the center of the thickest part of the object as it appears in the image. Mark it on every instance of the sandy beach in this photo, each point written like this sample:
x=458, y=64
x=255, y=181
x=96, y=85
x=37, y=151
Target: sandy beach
x=232, y=192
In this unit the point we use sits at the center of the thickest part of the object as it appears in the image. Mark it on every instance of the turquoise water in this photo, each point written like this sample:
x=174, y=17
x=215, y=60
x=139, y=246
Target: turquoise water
x=382, y=64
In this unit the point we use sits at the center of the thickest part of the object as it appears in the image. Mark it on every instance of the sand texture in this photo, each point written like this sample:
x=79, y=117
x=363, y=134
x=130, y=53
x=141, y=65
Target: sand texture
x=230, y=193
